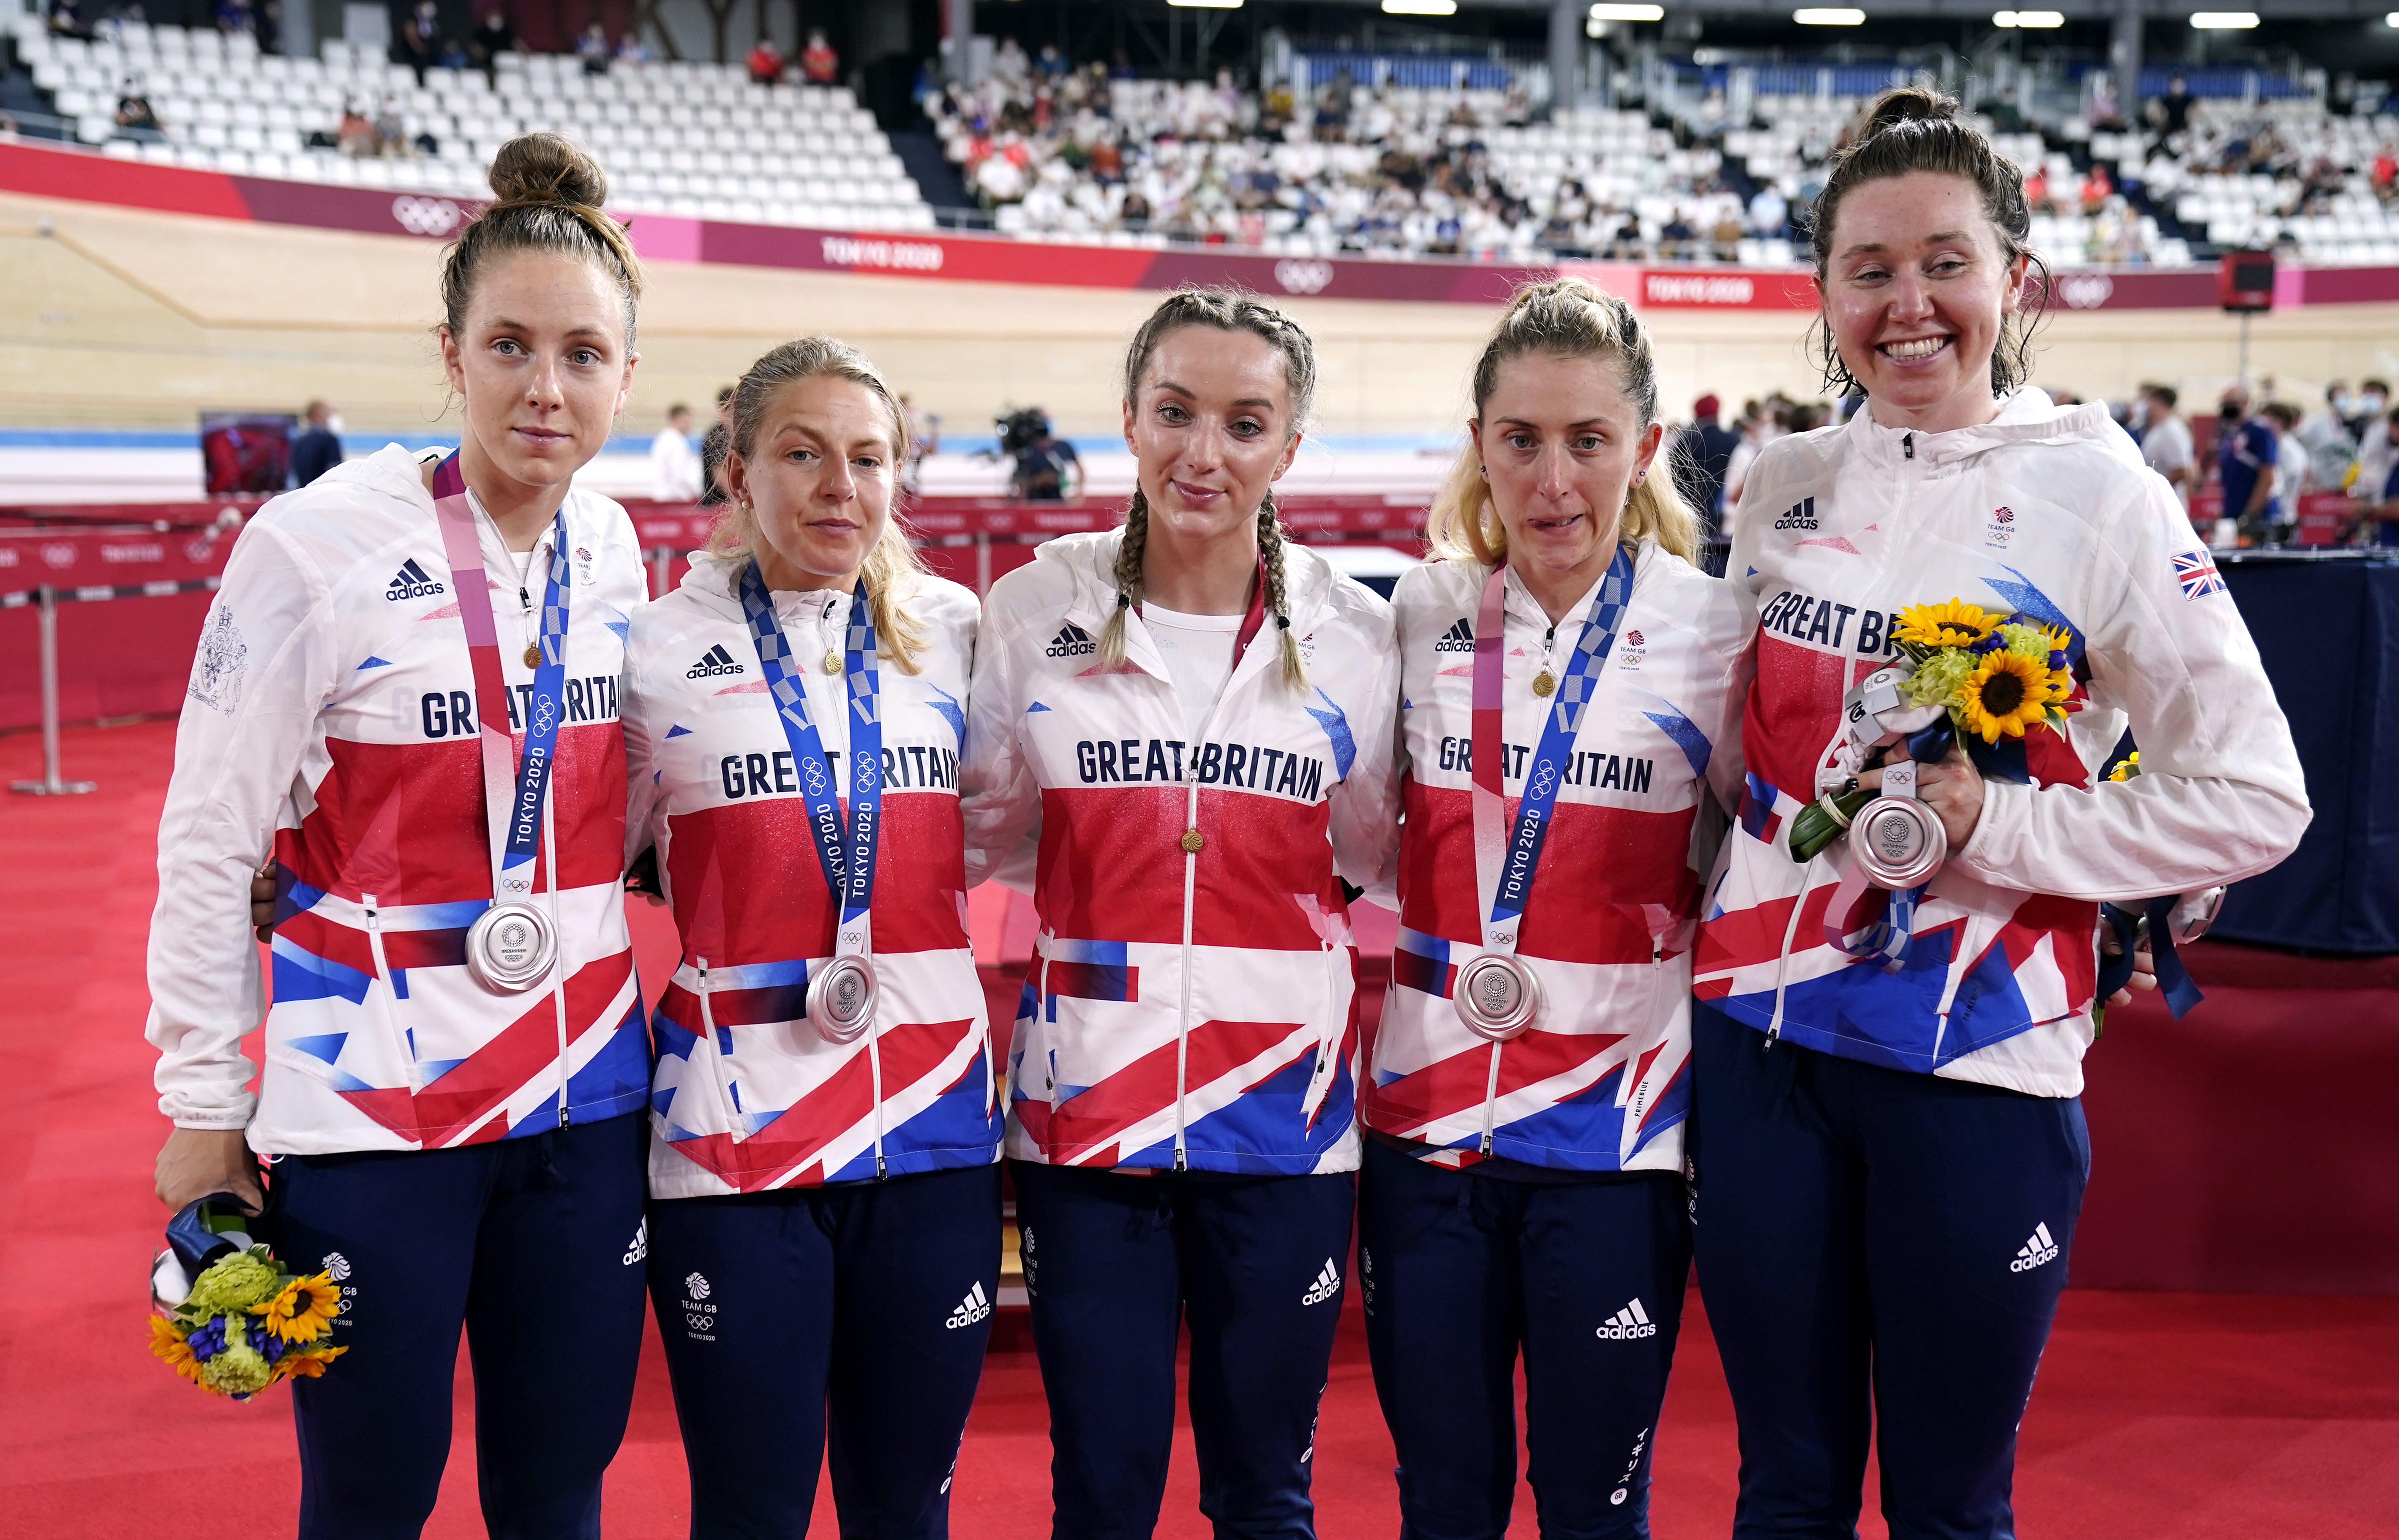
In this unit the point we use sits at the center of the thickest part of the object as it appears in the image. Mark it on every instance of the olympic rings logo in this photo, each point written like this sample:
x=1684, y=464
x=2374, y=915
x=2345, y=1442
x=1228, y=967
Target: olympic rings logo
x=426, y=216
x=1545, y=779
x=867, y=769
x=1303, y=278
x=814, y=771
x=544, y=714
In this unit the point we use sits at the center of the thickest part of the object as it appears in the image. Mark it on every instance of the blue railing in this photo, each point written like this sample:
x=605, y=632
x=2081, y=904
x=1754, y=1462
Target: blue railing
x=1412, y=70
x=2222, y=81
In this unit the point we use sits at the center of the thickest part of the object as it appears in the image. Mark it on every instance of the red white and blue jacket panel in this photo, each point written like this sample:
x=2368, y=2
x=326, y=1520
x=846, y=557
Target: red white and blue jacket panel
x=332, y=713
x=2044, y=510
x=1246, y=1042
x=748, y=1096
x=1601, y=1081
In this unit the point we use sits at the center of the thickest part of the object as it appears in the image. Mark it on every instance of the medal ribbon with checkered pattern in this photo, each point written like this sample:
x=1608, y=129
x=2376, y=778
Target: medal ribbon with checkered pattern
x=512, y=801
x=845, y=850
x=1505, y=859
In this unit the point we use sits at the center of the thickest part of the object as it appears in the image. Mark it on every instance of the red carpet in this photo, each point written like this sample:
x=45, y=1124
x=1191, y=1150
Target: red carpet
x=2195, y=1416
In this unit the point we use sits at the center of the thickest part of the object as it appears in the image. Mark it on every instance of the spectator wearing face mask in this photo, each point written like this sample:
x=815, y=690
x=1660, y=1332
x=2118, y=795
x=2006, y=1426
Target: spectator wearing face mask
x=2324, y=433
x=2366, y=410
x=2246, y=453
x=318, y=448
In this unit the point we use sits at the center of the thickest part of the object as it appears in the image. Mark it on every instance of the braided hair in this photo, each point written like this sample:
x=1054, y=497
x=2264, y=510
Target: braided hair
x=1225, y=310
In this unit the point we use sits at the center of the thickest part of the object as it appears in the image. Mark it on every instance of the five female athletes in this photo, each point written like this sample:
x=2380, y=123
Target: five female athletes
x=1194, y=743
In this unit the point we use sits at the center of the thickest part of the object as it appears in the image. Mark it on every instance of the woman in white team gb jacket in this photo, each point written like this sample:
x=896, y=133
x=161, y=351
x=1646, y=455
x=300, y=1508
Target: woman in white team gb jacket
x=1198, y=716
x=825, y=1219
x=402, y=653
x=1522, y=1187
x=1890, y=1147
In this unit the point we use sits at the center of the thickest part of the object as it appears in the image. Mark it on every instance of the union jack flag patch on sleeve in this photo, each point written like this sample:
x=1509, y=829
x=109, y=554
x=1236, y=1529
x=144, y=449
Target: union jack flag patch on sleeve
x=2196, y=571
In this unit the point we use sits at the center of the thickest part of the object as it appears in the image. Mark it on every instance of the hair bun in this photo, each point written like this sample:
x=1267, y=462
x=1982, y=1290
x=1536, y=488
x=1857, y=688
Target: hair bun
x=545, y=168
x=1908, y=105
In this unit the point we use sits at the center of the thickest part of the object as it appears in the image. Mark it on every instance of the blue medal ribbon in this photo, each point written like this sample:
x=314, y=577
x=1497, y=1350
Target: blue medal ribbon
x=846, y=851
x=1550, y=757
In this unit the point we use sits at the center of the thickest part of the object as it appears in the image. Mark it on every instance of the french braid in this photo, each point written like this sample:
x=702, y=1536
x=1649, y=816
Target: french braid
x=1225, y=310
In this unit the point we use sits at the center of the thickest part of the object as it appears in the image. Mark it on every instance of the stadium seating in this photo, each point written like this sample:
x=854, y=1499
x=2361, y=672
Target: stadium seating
x=694, y=140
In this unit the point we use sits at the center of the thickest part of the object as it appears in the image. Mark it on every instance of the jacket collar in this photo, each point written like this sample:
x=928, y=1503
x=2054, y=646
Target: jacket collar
x=2026, y=416
x=1089, y=560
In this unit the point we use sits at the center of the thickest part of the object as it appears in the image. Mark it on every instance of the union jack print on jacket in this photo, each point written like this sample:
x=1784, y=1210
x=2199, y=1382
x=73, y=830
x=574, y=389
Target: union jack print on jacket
x=1192, y=1010
x=2046, y=510
x=748, y=1096
x=332, y=713
x=1600, y=1081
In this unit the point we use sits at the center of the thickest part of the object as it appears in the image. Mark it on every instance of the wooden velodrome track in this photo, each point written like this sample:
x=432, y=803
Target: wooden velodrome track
x=119, y=318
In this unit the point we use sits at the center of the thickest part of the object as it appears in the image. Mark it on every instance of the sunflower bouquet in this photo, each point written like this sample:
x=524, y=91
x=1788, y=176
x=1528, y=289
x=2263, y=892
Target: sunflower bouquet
x=246, y=1320
x=1965, y=674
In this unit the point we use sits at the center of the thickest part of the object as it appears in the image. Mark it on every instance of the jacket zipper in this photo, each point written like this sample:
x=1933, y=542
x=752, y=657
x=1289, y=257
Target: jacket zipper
x=1907, y=445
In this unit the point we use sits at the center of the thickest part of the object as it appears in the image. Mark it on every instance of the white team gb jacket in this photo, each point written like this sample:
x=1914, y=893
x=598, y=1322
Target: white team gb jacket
x=1192, y=1008
x=332, y=713
x=1600, y=1081
x=2045, y=510
x=748, y=1096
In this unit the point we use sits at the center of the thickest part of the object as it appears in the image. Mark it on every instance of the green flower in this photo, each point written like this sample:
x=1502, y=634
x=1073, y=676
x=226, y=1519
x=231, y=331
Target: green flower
x=233, y=1284
x=240, y=1369
x=2026, y=641
x=1938, y=677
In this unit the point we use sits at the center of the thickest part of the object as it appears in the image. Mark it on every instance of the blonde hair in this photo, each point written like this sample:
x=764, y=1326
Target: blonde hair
x=1225, y=310
x=894, y=556
x=1564, y=318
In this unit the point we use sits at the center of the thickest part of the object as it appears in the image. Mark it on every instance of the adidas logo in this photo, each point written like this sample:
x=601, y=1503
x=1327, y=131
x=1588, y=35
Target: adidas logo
x=1799, y=516
x=1627, y=1324
x=1327, y=1284
x=640, y=1246
x=974, y=1307
x=1072, y=640
x=716, y=660
x=412, y=582
x=1459, y=638
x=2035, y=1251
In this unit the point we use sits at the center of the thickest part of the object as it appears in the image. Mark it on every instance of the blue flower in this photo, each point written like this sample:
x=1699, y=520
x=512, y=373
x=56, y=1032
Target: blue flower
x=265, y=1343
x=208, y=1339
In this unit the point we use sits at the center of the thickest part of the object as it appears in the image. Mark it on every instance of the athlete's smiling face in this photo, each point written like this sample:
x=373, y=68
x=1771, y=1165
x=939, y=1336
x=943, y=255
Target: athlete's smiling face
x=1561, y=442
x=1917, y=293
x=1210, y=430
x=818, y=477
x=543, y=367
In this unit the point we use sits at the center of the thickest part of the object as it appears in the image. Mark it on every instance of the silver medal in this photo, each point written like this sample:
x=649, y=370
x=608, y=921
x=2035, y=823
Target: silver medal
x=1898, y=842
x=841, y=999
x=1495, y=995
x=510, y=948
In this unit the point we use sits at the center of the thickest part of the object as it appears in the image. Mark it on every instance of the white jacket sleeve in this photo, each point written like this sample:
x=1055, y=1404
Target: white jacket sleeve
x=1362, y=807
x=2220, y=797
x=266, y=664
x=1001, y=799
x=640, y=727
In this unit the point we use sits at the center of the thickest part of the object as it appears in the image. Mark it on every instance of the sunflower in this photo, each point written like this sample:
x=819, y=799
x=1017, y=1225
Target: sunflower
x=303, y=1310
x=169, y=1343
x=2006, y=695
x=307, y=1363
x=1953, y=622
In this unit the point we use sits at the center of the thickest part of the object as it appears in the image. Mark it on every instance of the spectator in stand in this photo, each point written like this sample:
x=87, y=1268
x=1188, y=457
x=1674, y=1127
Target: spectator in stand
x=493, y=37
x=1702, y=454
x=356, y=136
x=2385, y=173
x=2376, y=484
x=2165, y=440
x=2247, y=451
x=318, y=448
x=593, y=48
x=64, y=18
x=674, y=470
x=631, y=50
x=2324, y=433
x=2171, y=112
x=818, y=64
x=1769, y=212
x=2107, y=113
x=765, y=63
x=2097, y=188
x=133, y=110
x=390, y=129
x=419, y=43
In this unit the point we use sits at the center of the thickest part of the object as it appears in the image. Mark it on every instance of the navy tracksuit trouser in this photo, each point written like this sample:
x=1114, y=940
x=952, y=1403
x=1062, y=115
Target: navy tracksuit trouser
x=535, y=1246
x=840, y=1326
x=1461, y=1274
x=1114, y=1261
x=1875, y=1244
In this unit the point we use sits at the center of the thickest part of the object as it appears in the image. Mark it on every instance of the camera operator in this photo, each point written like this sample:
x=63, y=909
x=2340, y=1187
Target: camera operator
x=1044, y=461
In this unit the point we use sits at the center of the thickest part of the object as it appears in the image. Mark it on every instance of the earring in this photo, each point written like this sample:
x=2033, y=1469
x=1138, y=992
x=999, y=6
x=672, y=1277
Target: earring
x=1482, y=472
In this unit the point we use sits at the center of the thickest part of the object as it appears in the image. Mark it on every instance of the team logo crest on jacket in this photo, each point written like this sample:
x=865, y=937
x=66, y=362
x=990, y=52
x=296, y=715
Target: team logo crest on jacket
x=1240, y=1048
x=377, y=1038
x=748, y=1095
x=2046, y=511
x=1600, y=1081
